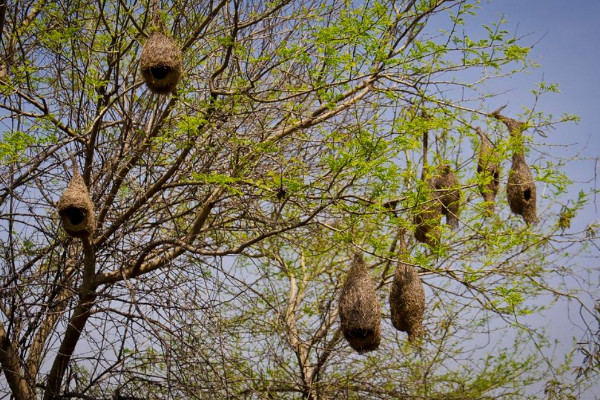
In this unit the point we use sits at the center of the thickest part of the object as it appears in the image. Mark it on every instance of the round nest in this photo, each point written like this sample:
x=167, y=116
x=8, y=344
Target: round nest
x=407, y=301
x=161, y=63
x=76, y=210
x=359, y=309
x=521, y=191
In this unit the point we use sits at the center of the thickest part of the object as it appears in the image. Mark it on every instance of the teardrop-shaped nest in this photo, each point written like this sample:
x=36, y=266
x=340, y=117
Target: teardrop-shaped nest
x=427, y=218
x=407, y=301
x=449, y=194
x=76, y=209
x=359, y=309
x=521, y=190
x=161, y=63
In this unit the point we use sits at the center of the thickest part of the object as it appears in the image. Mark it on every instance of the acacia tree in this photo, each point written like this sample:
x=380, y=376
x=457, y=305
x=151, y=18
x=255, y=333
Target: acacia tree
x=227, y=213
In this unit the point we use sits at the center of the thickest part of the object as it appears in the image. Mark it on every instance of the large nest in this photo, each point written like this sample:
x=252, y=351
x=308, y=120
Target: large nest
x=521, y=191
x=449, y=194
x=76, y=209
x=360, y=312
x=427, y=218
x=488, y=169
x=161, y=63
x=407, y=301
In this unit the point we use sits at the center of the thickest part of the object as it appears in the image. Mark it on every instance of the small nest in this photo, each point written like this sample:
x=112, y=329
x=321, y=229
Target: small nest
x=521, y=191
x=407, y=301
x=76, y=210
x=449, y=194
x=161, y=63
x=488, y=171
x=427, y=219
x=360, y=312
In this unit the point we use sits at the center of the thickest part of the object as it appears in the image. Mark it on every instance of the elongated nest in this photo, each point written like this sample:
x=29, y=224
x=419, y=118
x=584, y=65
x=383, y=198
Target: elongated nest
x=359, y=309
x=427, y=219
x=76, y=210
x=449, y=194
x=407, y=301
x=488, y=171
x=521, y=191
x=161, y=63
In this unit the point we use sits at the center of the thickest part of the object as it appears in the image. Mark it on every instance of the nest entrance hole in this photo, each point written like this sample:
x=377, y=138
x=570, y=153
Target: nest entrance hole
x=75, y=215
x=160, y=72
x=527, y=194
x=360, y=333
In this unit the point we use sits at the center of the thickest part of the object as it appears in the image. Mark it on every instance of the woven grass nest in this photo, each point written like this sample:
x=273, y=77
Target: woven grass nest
x=359, y=309
x=407, y=301
x=161, y=63
x=427, y=218
x=75, y=208
x=521, y=191
x=489, y=171
x=449, y=194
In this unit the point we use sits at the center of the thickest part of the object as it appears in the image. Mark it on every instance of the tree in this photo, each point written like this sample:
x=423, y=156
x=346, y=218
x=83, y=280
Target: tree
x=227, y=213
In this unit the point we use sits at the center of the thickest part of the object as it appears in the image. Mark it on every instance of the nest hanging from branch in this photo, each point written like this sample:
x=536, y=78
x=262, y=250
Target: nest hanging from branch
x=359, y=309
x=488, y=170
x=428, y=214
x=449, y=194
x=76, y=209
x=520, y=189
x=161, y=63
x=407, y=301
x=427, y=218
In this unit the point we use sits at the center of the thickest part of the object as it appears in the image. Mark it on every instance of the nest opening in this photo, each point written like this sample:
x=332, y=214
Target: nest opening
x=160, y=72
x=75, y=215
x=527, y=194
x=360, y=333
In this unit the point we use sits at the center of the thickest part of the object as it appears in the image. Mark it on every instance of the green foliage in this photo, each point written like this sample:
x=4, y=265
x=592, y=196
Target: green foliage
x=228, y=212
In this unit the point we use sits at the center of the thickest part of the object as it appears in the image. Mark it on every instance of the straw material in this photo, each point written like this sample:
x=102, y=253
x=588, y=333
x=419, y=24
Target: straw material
x=359, y=309
x=407, y=301
x=449, y=194
x=76, y=209
x=161, y=63
x=489, y=171
x=427, y=219
x=521, y=190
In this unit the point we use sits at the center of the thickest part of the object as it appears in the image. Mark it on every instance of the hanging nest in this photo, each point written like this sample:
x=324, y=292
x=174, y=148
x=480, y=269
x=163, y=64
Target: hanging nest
x=427, y=218
x=360, y=313
x=75, y=208
x=407, y=301
x=161, y=63
x=489, y=171
x=449, y=194
x=521, y=191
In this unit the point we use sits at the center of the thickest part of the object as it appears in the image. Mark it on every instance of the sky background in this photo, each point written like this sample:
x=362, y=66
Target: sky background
x=566, y=38
x=566, y=43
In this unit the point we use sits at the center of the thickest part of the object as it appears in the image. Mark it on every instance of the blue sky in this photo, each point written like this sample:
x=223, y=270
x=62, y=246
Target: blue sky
x=566, y=38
